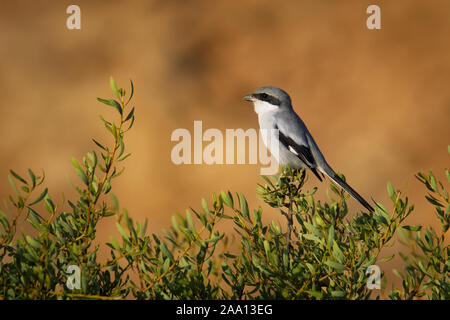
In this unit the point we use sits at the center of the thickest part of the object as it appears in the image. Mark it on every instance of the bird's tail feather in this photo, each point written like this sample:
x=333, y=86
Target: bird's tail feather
x=337, y=180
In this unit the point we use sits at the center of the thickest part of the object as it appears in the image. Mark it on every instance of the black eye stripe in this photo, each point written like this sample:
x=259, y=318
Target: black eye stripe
x=268, y=98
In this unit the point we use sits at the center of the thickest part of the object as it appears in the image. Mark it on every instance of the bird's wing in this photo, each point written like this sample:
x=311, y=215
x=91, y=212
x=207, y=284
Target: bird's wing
x=294, y=135
x=301, y=150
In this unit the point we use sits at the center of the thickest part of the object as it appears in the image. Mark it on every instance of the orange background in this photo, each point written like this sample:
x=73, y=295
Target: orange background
x=376, y=101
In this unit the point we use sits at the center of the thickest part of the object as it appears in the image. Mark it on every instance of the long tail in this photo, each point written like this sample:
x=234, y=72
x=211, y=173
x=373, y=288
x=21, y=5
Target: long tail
x=337, y=180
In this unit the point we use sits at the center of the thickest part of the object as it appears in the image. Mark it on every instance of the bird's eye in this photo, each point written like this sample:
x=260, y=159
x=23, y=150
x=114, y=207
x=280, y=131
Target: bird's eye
x=264, y=96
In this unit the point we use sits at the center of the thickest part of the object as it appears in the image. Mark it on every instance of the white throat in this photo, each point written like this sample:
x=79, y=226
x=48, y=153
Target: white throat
x=262, y=107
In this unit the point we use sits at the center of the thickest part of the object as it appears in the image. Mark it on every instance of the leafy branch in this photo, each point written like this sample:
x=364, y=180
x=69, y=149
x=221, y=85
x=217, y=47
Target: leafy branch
x=318, y=250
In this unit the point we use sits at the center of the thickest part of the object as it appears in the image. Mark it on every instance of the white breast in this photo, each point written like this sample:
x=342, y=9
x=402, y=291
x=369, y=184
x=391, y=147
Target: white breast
x=262, y=107
x=269, y=135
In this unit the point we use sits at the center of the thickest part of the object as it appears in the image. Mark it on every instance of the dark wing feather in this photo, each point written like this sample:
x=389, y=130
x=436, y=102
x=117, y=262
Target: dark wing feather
x=303, y=152
x=350, y=191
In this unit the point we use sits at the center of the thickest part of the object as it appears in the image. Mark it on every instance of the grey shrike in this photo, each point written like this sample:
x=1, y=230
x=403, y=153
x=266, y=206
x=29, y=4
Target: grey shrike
x=297, y=148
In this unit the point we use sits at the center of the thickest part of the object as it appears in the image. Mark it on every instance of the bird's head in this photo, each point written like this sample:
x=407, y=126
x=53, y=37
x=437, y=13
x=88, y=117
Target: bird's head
x=269, y=98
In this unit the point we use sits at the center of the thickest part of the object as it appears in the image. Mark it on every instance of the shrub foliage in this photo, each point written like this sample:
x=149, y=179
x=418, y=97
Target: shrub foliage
x=321, y=252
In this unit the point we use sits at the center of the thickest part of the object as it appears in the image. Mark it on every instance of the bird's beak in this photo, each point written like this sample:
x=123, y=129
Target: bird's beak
x=249, y=97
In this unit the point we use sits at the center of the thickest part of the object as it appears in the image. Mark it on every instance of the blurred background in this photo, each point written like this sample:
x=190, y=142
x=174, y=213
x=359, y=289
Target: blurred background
x=376, y=101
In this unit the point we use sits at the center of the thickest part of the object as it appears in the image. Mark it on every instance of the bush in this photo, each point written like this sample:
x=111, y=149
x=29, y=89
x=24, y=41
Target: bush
x=322, y=252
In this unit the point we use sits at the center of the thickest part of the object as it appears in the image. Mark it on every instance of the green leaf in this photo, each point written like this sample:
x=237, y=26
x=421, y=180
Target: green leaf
x=13, y=185
x=131, y=123
x=32, y=242
x=387, y=258
x=93, y=188
x=310, y=267
x=312, y=237
x=338, y=294
x=433, y=201
x=118, y=173
x=122, y=231
x=382, y=209
x=266, y=247
x=244, y=205
x=390, y=190
x=215, y=238
x=132, y=91
x=175, y=223
x=108, y=214
x=381, y=214
x=35, y=214
x=331, y=235
x=113, y=130
x=112, y=84
x=433, y=182
x=337, y=252
x=121, y=147
x=131, y=114
x=103, y=119
x=335, y=265
x=166, y=265
x=311, y=228
x=412, y=228
x=189, y=220
x=33, y=178
x=82, y=176
x=100, y=145
x=166, y=252
x=49, y=205
x=227, y=199
x=335, y=189
x=107, y=186
x=114, y=243
x=275, y=227
x=112, y=103
x=93, y=157
x=422, y=268
x=315, y=294
x=41, y=196
x=76, y=164
x=205, y=206
x=115, y=201
x=268, y=181
x=124, y=157
x=15, y=175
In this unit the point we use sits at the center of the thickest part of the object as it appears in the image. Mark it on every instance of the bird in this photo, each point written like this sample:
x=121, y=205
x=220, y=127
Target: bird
x=297, y=148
